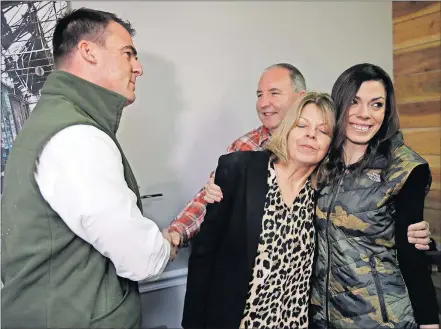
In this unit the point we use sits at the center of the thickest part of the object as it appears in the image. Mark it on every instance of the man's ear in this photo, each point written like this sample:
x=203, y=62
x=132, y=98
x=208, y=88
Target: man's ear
x=87, y=50
x=302, y=93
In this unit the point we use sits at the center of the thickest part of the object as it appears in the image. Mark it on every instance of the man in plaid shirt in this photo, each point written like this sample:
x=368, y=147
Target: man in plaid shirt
x=279, y=87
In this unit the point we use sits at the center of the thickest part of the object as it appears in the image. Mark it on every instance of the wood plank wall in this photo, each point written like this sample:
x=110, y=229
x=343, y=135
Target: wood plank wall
x=417, y=79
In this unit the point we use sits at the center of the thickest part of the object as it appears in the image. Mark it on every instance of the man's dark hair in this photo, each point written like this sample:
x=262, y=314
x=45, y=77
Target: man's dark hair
x=83, y=23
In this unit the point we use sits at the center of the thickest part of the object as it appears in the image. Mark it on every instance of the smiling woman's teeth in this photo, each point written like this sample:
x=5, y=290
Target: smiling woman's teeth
x=361, y=128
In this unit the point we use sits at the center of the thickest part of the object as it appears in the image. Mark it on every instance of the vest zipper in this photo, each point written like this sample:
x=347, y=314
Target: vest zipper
x=379, y=290
x=331, y=206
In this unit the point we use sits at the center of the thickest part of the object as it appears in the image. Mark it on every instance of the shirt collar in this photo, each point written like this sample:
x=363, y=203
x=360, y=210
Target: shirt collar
x=265, y=135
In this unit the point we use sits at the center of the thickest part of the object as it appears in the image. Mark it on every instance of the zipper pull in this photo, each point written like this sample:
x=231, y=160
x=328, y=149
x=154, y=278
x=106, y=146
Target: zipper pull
x=373, y=267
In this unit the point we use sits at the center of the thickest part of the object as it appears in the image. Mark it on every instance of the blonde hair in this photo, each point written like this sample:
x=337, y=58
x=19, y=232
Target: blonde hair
x=278, y=144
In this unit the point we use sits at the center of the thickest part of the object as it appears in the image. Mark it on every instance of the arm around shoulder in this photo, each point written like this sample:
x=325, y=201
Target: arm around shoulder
x=188, y=222
x=414, y=263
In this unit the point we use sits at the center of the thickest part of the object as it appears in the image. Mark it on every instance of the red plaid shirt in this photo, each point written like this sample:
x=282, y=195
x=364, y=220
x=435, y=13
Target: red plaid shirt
x=188, y=222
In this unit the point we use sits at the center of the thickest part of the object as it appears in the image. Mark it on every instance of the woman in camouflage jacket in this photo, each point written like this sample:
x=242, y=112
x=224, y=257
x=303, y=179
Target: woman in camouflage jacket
x=367, y=274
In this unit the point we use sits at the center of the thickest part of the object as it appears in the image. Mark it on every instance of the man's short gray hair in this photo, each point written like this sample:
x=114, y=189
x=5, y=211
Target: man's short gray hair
x=297, y=78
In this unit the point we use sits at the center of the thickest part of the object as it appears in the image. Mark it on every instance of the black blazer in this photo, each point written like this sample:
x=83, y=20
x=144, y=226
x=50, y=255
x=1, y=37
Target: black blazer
x=223, y=252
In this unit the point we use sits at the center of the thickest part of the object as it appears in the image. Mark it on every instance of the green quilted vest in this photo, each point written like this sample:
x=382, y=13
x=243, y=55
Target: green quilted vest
x=52, y=278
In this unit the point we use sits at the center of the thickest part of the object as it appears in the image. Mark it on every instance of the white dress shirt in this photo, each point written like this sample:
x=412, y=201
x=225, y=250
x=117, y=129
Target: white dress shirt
x=81, y=175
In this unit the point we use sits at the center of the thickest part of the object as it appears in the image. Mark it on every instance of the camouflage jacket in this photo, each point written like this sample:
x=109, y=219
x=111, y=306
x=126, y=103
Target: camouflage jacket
x=357, y=282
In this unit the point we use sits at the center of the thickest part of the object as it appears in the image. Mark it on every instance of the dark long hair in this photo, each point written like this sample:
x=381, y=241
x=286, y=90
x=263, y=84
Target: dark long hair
x=343, y=93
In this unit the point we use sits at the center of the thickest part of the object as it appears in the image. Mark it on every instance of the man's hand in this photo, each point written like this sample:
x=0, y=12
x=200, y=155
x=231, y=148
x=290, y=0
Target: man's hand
x=173, y=248
x=175, y=238
x=419, y=235
x=213, y=192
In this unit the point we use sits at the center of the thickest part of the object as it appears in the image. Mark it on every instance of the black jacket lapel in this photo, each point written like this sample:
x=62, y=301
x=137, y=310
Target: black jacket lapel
x=256, y=190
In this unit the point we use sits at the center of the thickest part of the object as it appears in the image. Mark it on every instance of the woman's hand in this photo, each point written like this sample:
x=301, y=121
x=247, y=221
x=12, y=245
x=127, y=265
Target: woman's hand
x=419, y=235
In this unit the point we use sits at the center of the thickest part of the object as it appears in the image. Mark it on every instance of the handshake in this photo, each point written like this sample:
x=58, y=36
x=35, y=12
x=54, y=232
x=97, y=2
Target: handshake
x=213, y=193
x=174, y=239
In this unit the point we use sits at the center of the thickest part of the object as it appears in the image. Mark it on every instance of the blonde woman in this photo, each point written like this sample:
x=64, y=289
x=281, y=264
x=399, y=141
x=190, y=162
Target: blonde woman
x=251, y=262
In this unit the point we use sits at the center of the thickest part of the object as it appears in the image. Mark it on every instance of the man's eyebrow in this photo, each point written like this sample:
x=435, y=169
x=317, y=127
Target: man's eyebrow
x=271, y=90
x=131, y=48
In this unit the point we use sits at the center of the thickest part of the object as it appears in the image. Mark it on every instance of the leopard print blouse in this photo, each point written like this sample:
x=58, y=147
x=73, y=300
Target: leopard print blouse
x=278, y=294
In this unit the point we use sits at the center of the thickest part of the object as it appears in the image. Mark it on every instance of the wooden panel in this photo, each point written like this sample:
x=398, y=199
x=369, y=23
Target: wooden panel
x=405, y=10
x=417, y=80
x=418, y=87
x=433, y=200
x=434, y=218
x=436, y=182
x=421, y=58
x=423, y=140
x=416, y=31
x=420, y=115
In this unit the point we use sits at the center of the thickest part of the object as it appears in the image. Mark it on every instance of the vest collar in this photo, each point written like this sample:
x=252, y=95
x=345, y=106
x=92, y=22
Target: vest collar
x=102, y=105
x=380, y=161
x=397, y=140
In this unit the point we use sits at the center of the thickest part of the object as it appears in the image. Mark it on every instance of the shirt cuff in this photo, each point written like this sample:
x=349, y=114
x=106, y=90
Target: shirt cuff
x=183, y=237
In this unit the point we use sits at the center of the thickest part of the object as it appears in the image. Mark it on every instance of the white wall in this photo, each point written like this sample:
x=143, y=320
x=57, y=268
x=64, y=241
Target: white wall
x=202, y=61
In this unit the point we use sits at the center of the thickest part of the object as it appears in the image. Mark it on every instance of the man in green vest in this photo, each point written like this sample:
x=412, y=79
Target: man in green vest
x=74, y=240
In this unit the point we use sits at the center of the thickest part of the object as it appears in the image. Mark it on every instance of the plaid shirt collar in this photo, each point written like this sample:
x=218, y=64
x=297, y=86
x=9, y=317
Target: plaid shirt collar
x=265, y=135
